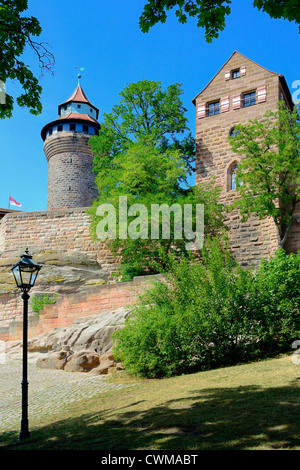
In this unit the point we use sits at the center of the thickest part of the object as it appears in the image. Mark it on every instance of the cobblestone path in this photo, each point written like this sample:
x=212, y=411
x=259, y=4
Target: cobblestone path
x=49, y=391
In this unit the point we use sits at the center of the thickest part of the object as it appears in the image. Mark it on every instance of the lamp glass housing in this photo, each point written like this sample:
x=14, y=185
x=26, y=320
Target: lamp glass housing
x=25, y=272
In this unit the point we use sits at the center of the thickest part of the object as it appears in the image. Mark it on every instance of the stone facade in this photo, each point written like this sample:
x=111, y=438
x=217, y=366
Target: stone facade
x=242, y=90
x=71, y=181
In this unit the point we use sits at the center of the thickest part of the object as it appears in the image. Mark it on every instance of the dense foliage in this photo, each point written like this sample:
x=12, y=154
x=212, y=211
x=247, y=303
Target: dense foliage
x=17, y=32
x=145, y=153
x=212, y=313
x=269, y=169
x=211, y=14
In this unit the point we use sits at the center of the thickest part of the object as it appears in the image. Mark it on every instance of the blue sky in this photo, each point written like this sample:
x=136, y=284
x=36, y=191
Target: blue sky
x=104, y=37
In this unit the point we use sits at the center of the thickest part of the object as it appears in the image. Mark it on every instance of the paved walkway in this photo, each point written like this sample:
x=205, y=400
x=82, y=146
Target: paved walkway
x=49, y=391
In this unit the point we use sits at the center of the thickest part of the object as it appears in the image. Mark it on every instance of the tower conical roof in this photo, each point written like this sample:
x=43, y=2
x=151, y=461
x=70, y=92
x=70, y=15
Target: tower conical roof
x=78, y=96
x=77, y=108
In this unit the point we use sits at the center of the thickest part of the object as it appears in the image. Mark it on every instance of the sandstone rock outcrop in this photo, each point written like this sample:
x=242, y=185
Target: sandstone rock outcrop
x=84, y=346
x=65, y=272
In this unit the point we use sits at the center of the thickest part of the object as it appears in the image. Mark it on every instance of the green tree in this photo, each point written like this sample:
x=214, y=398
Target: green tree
x=211, y=14
x=145, y=152
x=145, y=111
x=269, y=172
x=17, y=32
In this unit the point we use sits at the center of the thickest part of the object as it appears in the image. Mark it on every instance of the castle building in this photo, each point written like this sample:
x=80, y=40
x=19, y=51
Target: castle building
x=71, y=181
x=60, y=236
x=242, y=90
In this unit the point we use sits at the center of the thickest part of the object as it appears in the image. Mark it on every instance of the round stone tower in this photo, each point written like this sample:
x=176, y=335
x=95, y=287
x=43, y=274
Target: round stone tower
x=71, y=181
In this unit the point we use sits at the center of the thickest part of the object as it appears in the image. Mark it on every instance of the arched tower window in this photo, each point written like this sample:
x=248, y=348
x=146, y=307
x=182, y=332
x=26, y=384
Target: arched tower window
x=233, y=181
x=231, y=176
x=234, y=132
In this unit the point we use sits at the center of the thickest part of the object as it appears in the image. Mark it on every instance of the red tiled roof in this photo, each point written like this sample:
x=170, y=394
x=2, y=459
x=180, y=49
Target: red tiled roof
x=78, y=96
x=82, y=117
x=67, y=117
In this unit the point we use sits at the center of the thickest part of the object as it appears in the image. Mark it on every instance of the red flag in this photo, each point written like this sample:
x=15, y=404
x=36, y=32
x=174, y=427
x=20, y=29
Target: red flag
x=13, y=202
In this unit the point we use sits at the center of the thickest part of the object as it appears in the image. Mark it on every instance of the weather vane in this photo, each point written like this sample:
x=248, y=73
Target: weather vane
x=80, y=69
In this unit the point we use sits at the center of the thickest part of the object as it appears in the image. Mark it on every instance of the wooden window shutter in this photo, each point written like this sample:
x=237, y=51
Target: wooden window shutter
x=262, y=94
x=225, y=104
x=243, y=71
x=201, y=110
x=236, y=101
x=227, y=75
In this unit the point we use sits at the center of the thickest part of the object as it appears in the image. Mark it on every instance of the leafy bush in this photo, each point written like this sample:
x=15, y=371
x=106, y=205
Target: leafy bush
x=212, y=313
x=38, y=302
x=278, y=300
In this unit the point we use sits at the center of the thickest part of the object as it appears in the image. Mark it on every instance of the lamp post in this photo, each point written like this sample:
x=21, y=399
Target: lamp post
x=25, y=273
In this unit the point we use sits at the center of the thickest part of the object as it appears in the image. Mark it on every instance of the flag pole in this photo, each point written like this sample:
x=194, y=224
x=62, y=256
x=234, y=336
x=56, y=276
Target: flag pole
x=9, y=202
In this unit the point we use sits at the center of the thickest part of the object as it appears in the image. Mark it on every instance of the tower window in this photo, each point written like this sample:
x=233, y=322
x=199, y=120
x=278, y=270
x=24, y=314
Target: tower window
x=91, y=110
x=96, y=131
x=79, y=106
x=214, y=108
x=233, y=177
x=85, y=128
x=232, y=180
x=72, y=127
x=235, y=73
x=59, y=128
x=234, y=132
x=249, y=99
x=50, y=131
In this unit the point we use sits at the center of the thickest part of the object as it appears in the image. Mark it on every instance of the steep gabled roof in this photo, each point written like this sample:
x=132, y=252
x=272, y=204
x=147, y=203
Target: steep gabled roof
x=235, y=53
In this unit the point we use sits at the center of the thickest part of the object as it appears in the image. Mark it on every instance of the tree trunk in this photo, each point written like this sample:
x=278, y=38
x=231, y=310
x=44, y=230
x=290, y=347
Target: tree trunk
x=282, y=237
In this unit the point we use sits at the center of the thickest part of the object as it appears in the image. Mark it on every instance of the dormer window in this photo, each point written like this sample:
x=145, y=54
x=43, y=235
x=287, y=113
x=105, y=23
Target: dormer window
x=214, y=108
x=79, y=106
x=235, y=73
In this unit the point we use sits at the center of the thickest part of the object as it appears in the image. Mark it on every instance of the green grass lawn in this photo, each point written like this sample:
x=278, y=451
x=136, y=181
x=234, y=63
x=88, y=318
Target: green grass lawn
x=247, y=407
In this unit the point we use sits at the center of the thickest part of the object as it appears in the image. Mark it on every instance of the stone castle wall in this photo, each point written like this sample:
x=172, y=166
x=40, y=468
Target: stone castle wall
x=90, y=302
x=61, y=229
x=60, y=241
x=64, y=230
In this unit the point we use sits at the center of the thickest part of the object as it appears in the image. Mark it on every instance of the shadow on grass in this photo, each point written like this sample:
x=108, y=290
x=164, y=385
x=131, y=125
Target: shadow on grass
x=240, y=418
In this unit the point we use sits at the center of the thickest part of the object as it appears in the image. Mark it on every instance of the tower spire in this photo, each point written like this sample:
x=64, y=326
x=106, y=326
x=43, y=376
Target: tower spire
x=79, y=76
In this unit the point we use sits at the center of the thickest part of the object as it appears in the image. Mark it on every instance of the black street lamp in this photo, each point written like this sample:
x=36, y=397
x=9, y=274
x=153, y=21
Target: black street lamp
x=25, y=273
